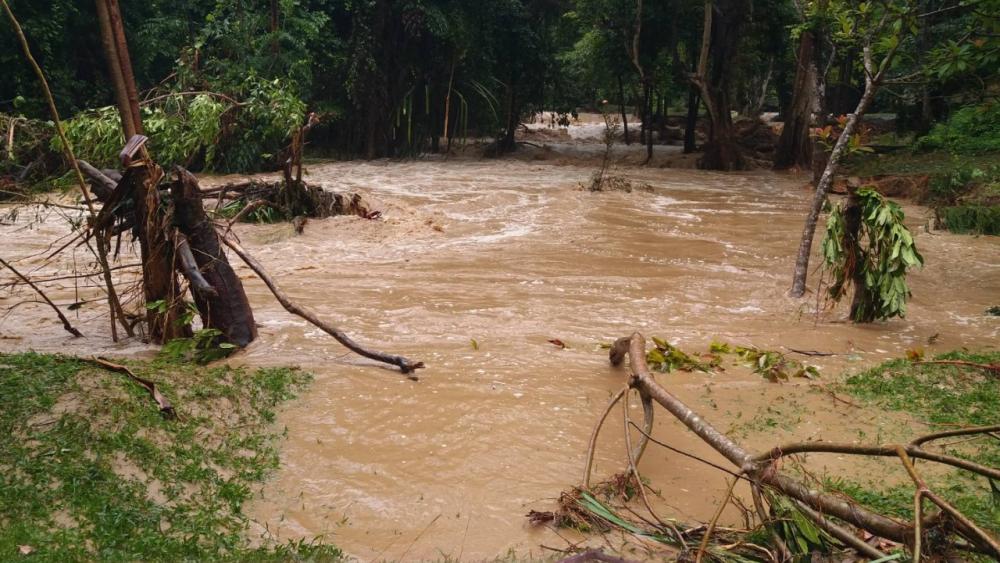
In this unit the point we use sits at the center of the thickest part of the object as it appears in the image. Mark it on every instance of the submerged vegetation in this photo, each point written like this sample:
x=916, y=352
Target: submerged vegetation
x=868, y=245
x=89, y=469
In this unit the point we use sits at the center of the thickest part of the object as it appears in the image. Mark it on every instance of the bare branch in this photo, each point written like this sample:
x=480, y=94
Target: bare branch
x=66, y=324
x=405, y=365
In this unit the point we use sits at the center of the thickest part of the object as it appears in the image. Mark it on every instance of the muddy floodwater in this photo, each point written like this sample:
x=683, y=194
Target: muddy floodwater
x=473, y=267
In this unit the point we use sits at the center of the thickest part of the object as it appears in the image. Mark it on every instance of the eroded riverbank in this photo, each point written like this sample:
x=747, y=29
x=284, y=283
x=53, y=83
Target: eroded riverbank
x=510, y=254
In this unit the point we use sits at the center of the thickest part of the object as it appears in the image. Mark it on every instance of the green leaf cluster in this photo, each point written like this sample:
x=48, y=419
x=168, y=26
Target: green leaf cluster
x=876, y=260
x=666, y=357
x=775, y=366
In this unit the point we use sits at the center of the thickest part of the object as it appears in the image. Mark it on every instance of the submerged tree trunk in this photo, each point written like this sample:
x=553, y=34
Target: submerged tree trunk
x=794, y=149
x=228, y=309
x=862, y=309
x=161, y=290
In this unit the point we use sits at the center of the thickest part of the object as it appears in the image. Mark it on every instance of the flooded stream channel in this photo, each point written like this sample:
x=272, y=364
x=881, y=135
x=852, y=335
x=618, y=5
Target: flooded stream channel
x=474, y=266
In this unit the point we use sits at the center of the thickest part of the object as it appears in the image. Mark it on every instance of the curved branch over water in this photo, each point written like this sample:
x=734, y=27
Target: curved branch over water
x=405, y=365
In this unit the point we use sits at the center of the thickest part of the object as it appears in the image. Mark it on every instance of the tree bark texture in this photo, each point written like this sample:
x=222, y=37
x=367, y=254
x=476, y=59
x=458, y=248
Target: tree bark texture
x=159, y=280
x=723, y=22
x=114, y=68
x=125, y=65
x=228, y=310
x=795, y=147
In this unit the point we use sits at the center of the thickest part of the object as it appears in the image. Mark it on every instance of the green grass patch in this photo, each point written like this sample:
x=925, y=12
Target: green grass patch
x=945, y=397
x=971, y=219
x=907, y=162
x=90, y=470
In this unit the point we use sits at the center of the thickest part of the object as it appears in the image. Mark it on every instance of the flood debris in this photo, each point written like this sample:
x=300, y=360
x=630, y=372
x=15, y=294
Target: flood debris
x=799, y=516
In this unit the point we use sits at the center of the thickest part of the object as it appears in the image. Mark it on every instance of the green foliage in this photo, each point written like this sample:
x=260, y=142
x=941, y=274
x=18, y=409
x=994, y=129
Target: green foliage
x=945, y=397
x=89, y=470
x=181, y=129
x=800, y=534
x=205, y=346
x=775, y=366
x=96, y=136
x=666, y=357
x=971, y=219
x=222, y=136
x=970, y=130
x=880, y=256
x=271, y=112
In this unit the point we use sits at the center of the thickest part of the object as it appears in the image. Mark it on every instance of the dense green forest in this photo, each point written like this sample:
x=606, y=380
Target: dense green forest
x=223, y=83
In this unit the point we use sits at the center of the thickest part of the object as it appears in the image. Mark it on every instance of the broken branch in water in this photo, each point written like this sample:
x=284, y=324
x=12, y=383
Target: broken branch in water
x=66, y=324
x=189, y=267
x=405, y=365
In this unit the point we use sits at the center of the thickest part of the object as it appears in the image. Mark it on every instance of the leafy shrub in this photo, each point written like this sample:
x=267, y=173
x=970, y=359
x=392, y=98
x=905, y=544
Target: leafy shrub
x=970, y=130
x=880, y=256
x=971, y=219
x=947, y=187
x=246, y=136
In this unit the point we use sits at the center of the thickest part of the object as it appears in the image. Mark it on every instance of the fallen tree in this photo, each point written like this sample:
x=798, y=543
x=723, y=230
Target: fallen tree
x=948, y=530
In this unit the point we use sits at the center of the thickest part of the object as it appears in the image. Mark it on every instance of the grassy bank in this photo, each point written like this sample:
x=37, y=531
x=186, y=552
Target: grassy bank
x=90, y=470
x=964, y=190
x=944, y=397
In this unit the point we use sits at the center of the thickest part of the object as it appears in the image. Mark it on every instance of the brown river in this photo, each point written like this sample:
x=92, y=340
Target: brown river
x=474, y=266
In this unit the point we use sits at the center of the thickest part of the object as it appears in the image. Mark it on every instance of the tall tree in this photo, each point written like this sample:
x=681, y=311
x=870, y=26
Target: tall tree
x=877, y=27
x=795, y=146
x=721, y=35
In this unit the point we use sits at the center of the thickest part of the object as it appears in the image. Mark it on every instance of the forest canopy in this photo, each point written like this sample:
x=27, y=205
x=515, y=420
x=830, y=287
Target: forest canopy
x=223, y=83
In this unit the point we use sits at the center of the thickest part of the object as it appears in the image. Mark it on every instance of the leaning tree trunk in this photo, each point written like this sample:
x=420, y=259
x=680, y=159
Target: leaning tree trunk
x=819, y=197
x=795, y=147
x=873, y=79
x=222, y=302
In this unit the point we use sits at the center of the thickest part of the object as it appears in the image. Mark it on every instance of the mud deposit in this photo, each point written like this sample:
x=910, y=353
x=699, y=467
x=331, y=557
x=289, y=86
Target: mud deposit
x=474, y=266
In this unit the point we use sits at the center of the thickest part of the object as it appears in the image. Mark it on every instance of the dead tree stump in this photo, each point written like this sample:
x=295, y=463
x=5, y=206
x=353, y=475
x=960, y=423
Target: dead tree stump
x=228, y=310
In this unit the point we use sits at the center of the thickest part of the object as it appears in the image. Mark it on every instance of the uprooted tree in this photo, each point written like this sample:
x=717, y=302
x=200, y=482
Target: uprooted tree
x=167, y=218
